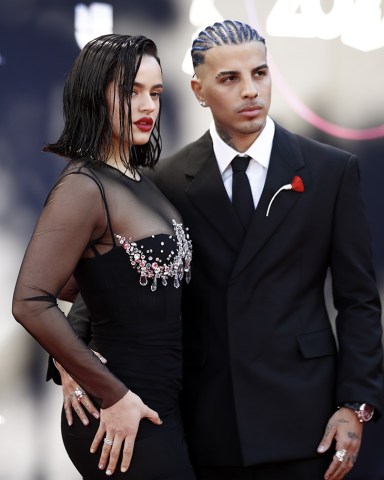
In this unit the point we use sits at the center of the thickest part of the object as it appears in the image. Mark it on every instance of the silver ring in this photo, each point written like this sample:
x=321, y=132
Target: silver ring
x=340, y=454
x=79, y=392
x=108, y=441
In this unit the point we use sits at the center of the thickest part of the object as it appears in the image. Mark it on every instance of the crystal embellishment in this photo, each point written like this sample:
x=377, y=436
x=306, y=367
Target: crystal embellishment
x=176, y=265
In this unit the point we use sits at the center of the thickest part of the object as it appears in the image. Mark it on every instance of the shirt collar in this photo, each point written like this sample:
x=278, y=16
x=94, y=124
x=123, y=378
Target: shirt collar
x=260, y=150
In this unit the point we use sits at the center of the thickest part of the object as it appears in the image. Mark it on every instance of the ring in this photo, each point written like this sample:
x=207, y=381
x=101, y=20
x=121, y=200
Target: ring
x=79, y=392
x=340, y=454
x=108, y=441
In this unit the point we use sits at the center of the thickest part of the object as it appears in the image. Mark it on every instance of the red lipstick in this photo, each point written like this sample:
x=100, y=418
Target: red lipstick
x=144, y=124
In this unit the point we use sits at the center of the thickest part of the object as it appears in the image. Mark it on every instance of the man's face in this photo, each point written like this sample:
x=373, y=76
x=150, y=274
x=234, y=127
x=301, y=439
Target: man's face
x=235, y=83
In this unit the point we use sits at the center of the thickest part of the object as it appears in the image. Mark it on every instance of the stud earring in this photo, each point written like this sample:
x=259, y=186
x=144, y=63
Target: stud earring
x=203, y=104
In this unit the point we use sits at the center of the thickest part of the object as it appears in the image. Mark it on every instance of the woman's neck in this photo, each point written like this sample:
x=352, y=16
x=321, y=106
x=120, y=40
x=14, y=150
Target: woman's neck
x=115, y=162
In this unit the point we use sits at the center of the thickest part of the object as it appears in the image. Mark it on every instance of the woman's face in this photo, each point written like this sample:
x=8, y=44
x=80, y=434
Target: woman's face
x=145, y=102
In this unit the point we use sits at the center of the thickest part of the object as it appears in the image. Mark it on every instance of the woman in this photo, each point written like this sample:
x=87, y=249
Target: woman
x=108, y=227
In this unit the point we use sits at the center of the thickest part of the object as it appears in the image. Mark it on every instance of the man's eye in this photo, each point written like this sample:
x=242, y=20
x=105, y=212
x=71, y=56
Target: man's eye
x=229, y=79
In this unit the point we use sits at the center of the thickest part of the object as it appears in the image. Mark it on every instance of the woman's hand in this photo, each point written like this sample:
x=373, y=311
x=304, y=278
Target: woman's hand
x=75, y=398
x=118, y=429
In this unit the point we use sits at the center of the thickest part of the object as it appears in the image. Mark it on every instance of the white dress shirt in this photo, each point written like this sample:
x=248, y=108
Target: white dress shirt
x=259, y=151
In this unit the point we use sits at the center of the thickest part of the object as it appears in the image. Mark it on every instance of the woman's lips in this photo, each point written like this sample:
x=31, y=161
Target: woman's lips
x=144, y=124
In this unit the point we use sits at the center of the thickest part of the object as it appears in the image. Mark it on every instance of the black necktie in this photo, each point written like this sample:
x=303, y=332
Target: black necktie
x=242, y=199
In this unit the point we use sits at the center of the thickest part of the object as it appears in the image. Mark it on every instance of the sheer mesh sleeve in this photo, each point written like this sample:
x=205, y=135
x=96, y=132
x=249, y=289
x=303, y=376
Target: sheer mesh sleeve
x=78, y=317
x=72, y=217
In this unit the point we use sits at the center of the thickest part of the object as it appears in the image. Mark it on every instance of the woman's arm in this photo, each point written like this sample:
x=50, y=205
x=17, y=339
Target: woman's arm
x=73, y=217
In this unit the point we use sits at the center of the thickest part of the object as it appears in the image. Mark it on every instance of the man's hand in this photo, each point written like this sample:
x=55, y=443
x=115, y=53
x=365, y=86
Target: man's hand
x=343, y=427
x=73, y=401
x=118, y=428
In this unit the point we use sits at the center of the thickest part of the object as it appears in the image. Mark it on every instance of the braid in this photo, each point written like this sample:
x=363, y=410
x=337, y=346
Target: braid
x=224, y=33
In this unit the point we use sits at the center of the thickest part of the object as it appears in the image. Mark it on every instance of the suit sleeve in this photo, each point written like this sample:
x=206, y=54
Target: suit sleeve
x=356, y=298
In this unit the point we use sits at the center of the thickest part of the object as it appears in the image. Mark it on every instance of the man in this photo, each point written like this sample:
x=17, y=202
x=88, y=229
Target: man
x=269, y=393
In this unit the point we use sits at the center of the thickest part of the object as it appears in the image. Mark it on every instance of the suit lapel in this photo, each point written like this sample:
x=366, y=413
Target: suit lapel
x=207, y=193
x=286, y=162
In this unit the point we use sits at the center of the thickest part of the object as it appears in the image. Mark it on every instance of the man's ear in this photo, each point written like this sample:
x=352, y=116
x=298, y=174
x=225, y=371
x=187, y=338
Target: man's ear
x=197, y=89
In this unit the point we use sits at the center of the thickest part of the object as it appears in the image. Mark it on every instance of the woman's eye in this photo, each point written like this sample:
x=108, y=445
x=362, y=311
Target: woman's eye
x=157, y=94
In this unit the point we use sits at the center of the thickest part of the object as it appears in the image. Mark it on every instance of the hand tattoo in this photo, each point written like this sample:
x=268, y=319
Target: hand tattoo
x=353, y=435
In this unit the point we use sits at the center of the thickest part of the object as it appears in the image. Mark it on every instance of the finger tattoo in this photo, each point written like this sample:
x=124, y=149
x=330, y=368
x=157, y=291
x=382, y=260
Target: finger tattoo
x=343, y=420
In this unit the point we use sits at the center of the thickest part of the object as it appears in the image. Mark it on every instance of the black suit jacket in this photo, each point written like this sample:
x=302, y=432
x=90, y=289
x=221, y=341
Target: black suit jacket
x=263, y=369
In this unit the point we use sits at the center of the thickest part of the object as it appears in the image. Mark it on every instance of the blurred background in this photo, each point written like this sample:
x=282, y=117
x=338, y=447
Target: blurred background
x=327, y=63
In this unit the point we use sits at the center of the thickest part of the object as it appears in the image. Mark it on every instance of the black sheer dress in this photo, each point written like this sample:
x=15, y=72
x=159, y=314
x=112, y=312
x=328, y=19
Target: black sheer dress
x=128, y=251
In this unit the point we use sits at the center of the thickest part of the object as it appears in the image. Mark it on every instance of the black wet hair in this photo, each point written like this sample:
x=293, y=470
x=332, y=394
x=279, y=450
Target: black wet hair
x=87, y=132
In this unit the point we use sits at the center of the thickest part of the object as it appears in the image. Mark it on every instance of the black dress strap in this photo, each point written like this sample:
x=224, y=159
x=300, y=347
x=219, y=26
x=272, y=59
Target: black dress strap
x=105, y=203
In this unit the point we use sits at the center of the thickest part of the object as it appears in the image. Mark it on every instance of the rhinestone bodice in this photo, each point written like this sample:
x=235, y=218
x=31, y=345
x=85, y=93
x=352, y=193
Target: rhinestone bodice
x=152, y=264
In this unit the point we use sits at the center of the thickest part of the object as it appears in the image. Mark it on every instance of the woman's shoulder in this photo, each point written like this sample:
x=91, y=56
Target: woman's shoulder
x=78, y=178
x=83, y=171
x=84, y=166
